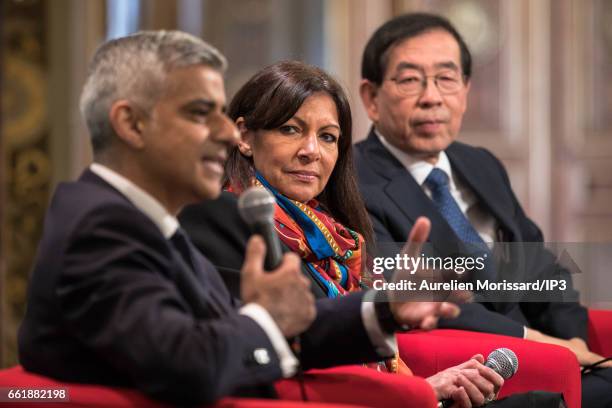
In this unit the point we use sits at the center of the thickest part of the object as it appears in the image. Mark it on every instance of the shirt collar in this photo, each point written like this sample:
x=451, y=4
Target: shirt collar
x=418, y=168
x=145, y=202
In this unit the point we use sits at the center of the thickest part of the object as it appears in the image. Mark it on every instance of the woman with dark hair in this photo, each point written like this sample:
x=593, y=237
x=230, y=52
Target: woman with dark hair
x=295, y=124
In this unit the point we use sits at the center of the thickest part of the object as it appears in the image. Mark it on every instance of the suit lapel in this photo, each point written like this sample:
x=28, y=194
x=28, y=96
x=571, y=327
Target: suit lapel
x=210, y=284
x=412, y=201
x=489, y=191
x=189, y=283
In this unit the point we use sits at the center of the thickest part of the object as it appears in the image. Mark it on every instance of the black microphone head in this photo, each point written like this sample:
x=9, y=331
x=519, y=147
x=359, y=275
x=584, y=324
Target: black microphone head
x=503, y=361
x=256, y=205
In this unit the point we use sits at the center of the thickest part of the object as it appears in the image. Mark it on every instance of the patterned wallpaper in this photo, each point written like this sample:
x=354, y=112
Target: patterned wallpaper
x=26, y=164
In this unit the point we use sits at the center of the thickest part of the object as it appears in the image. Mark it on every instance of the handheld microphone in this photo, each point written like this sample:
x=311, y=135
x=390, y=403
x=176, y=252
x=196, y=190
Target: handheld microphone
x=256, y=207
x=502, y=360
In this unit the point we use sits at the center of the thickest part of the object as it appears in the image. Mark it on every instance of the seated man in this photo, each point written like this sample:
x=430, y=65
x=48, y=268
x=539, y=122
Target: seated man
x=119, y=296
x=416, y=72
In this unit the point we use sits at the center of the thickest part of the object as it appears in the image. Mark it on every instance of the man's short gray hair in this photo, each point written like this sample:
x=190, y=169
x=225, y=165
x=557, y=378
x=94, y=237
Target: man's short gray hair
x=134, y=68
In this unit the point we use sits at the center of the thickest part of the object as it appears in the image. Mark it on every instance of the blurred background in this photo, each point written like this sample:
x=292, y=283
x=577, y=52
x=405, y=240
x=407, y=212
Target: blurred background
x=541, y=100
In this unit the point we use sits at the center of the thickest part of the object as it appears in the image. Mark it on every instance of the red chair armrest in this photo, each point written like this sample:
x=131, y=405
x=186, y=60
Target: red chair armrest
x=360, y=386
x=600, y=332
x=541, y=366
x=96, y=396
x=266, y=403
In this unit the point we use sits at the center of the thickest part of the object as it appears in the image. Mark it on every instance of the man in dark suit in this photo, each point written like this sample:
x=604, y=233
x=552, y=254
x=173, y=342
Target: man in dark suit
x=416, y=77
x=119, y=295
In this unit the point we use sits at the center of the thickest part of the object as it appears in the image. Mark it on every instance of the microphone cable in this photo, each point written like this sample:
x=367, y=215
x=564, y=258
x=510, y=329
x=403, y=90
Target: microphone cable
x=595, y=366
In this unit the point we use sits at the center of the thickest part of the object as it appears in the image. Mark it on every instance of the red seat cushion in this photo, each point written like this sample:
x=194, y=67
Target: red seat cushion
x=600, y=332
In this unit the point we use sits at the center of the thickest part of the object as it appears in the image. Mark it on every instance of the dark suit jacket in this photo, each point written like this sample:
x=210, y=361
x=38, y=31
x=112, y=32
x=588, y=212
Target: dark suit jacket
x=218, y=231
x=112, y=302
x=394, y=200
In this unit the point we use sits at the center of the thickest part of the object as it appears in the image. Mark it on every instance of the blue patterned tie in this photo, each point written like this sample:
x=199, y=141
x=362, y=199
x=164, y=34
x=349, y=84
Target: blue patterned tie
x=437, y=181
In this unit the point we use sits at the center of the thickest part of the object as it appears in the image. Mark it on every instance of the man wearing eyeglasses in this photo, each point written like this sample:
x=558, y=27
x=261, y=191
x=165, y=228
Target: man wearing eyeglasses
x=416, y=73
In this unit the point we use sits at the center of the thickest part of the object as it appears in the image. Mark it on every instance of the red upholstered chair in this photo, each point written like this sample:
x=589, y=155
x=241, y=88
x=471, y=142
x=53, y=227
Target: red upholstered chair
x=330, y=388
x=541, y=366
x=95, y=396
x=360, y=385
x=600, y=332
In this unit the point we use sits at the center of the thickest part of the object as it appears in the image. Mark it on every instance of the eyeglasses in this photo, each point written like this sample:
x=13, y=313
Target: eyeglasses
x=414, y=83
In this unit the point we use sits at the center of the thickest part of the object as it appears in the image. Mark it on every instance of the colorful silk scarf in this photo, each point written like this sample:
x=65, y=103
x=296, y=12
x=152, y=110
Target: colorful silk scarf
x=331, y=251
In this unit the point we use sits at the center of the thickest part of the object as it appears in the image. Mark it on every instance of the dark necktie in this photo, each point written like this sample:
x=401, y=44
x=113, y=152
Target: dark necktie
x=180, y=241
x=438, y=183
x=194, y=282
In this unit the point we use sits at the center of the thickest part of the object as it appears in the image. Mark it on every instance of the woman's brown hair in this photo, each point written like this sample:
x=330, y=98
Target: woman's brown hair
x=268, y=100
